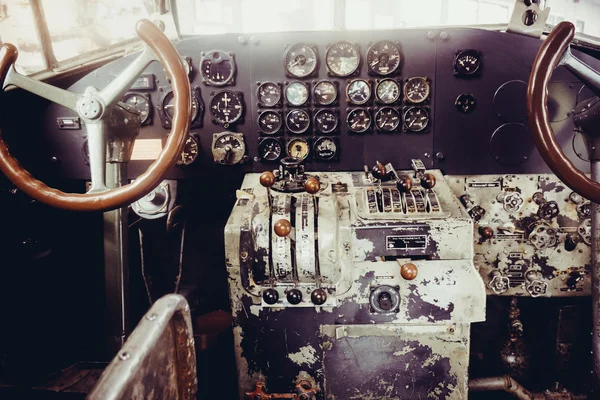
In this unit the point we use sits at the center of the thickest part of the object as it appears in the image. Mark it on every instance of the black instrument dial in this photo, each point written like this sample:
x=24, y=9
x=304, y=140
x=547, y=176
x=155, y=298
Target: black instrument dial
x=141, y=103
x=325, y=93
x=268, y=94
x=296, y=93
x=416, y=119
x=326, y=121
x=387, y=91
x=467, y=62
x=298, y=149
x=226, y=107
x=169, y=106
x=358, y=91
x=387, y=119
x=325, y=149
x=217, y=68
x=270, y=149
x=359, y=120
x=383, y=57
x=342, y=58
x=297, y=121
x=269, y=122
x=416, y=89
x=190, y=151
x=300, y=60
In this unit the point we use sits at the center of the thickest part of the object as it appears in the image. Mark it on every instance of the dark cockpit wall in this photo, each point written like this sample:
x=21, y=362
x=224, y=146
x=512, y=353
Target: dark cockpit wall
x=56, y=257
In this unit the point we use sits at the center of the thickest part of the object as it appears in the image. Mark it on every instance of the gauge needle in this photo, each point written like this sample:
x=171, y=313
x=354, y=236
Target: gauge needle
x=375, y=63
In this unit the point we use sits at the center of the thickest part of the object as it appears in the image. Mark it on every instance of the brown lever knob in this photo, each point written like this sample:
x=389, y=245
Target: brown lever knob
x=404, y=184
x=409, y=271
x=312, y=185
x=486, y=232
x=267, y=179
x=378, y=171
x=283, y=227
x=428, y=181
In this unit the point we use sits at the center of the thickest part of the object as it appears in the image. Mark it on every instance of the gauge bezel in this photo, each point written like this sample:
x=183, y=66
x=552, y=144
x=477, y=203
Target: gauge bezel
x=228, y=56
x=266, y=140
x=312, y=73
x=197, y=142
x=333, y=102
x=331, y=72
x=148, y=119
x=405, y=111
x=316, y=141
x=165, y=120
x=395, y=69
x=369, y=97
x=287, y=128
x=408, y=80
x=303, y=139
x=459, y=53
x=260, y=104
x=376, y=93
x=395, y=128
x=238, y=119
x=465, y=97
x=335, y=112
x=240, y=154
x=285, y=94
x=350, y=111
x=277, y=130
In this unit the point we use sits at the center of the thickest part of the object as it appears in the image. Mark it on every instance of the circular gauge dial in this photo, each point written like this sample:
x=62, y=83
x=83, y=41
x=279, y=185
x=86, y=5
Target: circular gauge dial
x=300, y=60
x=169, y=106
x=342, y=58
x=297, y=121
x=387, y=91
x=269, y=94
x=325, y=93
x=217, y=68
x=416, y=119
x=358, y=91
x=326, y=121
x=226, y=107
x=269, y=122
x=270, y=149
x=296, y=93
x=387, y=119
x=325, y=148
x=416, y=89
x=383, y=57
x=140, y=103
x=359, y=120
x=467, y=62
x=298, y=149
x=228, y=148
x=189, y=152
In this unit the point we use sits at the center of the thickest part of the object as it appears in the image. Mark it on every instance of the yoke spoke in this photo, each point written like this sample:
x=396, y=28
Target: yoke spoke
x=96, y=139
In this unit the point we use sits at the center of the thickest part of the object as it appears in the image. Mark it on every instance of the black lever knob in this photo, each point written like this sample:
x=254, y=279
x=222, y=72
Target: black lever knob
x=294, y=296
x=428, y=181
x=318, y=296
x=404, y=184
x=270, y=296
x=378, y=171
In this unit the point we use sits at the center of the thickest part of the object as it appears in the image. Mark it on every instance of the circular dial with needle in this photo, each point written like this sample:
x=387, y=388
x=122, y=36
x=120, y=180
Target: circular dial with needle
x=298, y=149
x=467, y=62
x=416, y=89
x=270, y=149
x=325, y=93
x=189, y=154
x=359, y=120
x=269, y=122
x=217, y=68
x=226, y=107
x=387, y=91
x=300, y=60
x=416, y=119
x=297, y=121
x=326, y=121
x=342, y=58
x=358, y=91
x=325, y=149
x=140, y=103
x=387, y=119
x=268, y=94
x=228, y=148
x=383, y=57
x=296, y=93
x=169, y=107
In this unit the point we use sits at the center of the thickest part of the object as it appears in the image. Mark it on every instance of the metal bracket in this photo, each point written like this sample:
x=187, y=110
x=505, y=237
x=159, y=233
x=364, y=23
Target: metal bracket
x=528, y=18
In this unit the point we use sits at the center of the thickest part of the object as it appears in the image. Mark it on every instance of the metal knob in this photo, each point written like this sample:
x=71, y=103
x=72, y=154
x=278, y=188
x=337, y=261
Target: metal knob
x=409, y=271
x=428, y=181
x=404, y=184
x=486, y=232
x=267, y=179
x=312, y=185
x=283, y=227
x=318, y=296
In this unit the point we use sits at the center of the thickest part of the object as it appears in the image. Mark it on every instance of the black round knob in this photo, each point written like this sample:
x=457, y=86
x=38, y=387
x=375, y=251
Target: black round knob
x=570, y=243
x=385, y=301
x=294, y=296
x=270, y=296
x=318, y=296
x=428, y=181
x=404, y=184
x=378, y=171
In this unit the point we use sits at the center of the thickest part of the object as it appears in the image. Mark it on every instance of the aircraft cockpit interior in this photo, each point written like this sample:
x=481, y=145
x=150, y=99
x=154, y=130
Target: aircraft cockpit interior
x=307, y=200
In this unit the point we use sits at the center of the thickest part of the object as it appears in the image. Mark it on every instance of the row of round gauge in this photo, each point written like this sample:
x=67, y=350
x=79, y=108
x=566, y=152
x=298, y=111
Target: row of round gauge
x=323, y=149
x=326, y=121
x=358, y=92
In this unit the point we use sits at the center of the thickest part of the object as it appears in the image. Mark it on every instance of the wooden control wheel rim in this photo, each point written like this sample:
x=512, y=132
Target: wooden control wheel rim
x=547, y=59
x=145, y=183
